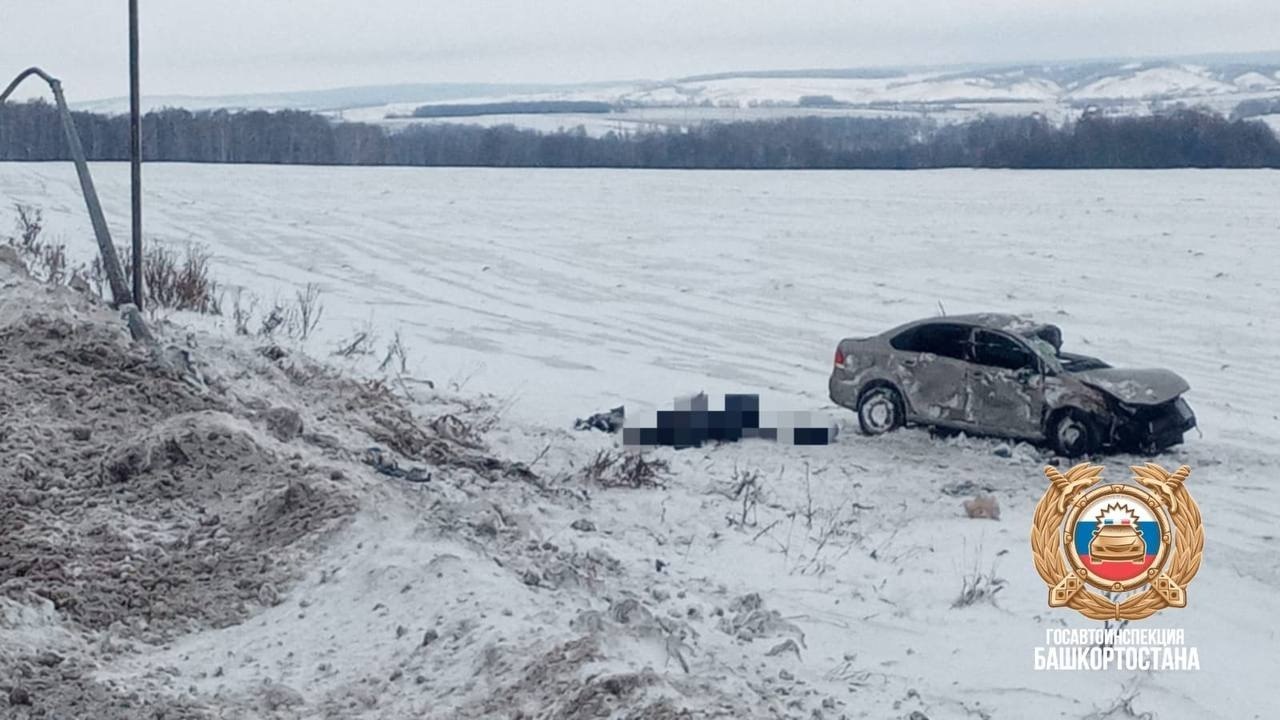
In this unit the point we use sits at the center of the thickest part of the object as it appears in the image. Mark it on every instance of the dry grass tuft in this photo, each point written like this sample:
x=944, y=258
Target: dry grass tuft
x=979, y=585
x=296, y=318
x=170, y=280
x=242, y=311
x=44, y=260
x=397, y=356
x=747, y=489
x=360, y=343
x=1122, y=707
x=626, y=470
x=308, y=310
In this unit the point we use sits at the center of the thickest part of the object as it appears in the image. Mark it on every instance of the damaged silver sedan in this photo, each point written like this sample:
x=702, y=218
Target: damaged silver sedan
x=994, y=374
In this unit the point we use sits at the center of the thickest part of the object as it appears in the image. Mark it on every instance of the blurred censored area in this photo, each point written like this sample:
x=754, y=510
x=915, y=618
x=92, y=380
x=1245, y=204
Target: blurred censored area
x=691, y=423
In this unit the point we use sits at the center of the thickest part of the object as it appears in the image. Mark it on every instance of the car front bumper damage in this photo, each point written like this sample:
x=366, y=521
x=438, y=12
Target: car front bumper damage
x=1151, y=427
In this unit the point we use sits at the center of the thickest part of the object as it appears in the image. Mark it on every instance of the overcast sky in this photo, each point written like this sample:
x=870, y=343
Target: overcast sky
x=207, y=47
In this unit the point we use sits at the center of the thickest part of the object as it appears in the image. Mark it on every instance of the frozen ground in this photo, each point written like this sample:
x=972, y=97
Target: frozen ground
x=566, y=291
x=560, y=293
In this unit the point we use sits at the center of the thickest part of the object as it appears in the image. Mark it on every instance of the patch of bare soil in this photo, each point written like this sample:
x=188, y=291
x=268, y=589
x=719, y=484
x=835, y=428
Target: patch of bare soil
x=136, y=500
x=135, y=504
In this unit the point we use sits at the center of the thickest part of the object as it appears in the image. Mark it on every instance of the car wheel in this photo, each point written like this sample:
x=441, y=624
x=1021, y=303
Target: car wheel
x=1072, y=434
x=880, y=410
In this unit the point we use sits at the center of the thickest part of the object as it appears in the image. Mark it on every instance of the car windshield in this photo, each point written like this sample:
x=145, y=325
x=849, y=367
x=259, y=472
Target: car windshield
x=1047, y=354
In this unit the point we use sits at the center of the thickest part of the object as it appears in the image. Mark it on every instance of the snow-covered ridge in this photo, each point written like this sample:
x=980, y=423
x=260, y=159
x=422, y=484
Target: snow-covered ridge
x=1027, y=88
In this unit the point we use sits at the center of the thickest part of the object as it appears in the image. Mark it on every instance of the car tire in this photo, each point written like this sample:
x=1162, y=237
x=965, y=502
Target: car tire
x=880, y=410
x=1071, y=433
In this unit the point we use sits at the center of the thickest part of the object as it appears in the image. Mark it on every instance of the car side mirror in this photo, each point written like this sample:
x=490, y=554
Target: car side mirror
x=1025, y=374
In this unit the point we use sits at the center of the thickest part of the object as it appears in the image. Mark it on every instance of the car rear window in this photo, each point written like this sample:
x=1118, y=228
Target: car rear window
x=943, y=339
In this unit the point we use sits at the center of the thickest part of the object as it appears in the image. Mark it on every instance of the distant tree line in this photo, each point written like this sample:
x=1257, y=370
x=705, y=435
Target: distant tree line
x=1256, y=107
x=820, y=101
x=1182, y=138
x=539, y=107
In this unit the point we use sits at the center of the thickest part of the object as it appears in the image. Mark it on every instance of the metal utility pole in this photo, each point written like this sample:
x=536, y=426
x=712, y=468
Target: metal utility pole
x=135, y=152
x=106, y=249
x=111, y=263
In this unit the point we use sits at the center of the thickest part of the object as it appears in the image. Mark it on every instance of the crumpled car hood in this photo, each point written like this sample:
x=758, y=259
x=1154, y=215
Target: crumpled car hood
x=1137, y=387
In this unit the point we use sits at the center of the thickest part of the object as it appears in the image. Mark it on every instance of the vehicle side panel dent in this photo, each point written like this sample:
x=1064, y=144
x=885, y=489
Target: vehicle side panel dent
x=1000, y=402
x=1065, y=393
x=937, y=385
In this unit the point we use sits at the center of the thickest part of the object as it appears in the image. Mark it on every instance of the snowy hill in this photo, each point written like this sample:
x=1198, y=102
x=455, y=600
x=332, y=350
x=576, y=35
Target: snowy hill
x=948, y=93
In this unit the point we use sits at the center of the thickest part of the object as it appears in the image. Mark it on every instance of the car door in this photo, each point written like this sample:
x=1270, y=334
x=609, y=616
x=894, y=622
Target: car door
x=1005, y=386
x=931, y=371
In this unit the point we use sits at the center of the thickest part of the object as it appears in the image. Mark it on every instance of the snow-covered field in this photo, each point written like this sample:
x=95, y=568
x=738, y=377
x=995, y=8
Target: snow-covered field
x=570, y=290
x=566, y=292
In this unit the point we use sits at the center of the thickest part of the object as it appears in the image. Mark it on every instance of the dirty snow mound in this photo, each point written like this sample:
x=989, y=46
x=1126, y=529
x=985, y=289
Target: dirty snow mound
x=138, y=505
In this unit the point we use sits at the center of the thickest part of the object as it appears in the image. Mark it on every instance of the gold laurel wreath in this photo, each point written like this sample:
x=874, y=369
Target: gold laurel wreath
x=1066, y=587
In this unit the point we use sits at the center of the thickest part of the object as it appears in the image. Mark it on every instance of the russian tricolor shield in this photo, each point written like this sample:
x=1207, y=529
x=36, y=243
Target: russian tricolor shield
x=1117, y=537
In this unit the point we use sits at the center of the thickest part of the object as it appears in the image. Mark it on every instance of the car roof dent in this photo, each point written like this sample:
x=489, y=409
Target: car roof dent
x=1020, y=325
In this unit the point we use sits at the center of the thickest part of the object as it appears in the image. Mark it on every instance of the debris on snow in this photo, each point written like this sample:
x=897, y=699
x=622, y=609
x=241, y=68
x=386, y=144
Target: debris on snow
x=379, y=460
x=965, y=487
x=610, y=421
x=984, y=507
x=750, y=621
x=786, y=646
